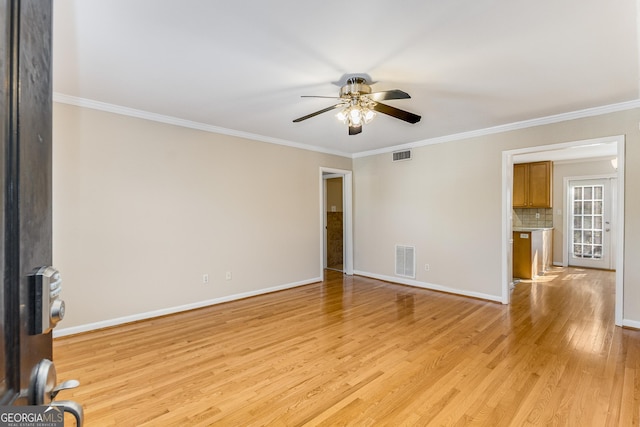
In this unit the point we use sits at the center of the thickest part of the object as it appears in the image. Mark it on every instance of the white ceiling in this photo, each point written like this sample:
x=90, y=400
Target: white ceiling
x=241, y=66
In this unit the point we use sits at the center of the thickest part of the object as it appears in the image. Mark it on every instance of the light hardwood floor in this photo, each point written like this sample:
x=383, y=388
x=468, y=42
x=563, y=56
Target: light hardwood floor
x=357, y=351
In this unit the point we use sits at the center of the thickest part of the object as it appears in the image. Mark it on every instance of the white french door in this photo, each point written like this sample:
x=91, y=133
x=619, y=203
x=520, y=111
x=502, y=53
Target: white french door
x=590, y=219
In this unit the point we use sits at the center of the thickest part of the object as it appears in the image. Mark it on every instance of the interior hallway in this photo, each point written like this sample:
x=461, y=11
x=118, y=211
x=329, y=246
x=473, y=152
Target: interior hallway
x=357, y=351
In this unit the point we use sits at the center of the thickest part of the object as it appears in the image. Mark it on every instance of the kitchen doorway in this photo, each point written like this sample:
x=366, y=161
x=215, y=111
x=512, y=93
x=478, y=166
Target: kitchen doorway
x=575, y=150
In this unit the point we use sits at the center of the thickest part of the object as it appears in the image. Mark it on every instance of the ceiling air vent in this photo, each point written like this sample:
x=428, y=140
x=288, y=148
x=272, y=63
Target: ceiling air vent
x=406, y=261
x=399, y=156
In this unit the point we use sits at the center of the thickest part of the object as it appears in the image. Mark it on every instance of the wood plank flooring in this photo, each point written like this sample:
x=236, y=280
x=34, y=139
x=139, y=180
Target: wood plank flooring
x=357, y=351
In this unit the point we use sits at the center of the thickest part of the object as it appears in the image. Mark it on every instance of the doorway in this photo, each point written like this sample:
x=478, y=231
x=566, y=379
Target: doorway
x=590, y=224
x=566, y=151
x=334, y=220
x=336, y=231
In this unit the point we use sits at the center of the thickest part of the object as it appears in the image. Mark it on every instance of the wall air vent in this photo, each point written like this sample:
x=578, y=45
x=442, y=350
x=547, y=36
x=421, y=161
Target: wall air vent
x=399, y=156
x=406, y=261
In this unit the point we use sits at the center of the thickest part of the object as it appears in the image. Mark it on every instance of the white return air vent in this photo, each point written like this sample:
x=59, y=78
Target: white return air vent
x=399, y=156
x=406, y=261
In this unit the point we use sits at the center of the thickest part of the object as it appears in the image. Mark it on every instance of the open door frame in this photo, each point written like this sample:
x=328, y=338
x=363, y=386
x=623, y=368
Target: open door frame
x=507, y=186
x=347, y=195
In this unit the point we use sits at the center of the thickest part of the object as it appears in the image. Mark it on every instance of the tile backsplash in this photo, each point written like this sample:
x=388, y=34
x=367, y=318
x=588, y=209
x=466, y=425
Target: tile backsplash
x=526, y=217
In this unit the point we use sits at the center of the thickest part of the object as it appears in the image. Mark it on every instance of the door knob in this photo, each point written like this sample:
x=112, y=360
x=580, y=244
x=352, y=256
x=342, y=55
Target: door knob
x=42, y=390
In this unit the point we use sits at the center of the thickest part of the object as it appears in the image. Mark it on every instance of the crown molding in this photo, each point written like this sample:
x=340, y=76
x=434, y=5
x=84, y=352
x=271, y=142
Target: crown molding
x=590, y=112
x=131, y=112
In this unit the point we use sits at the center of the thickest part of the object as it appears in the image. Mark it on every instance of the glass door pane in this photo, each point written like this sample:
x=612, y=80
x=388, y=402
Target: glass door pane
x=587, y=220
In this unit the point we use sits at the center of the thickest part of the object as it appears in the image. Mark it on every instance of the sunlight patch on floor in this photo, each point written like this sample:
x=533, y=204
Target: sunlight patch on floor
x=540, y=279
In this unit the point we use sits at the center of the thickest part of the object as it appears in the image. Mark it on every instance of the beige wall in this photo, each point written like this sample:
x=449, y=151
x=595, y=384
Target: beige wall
x=142, y=210
x=447, y=202
x=560, y=172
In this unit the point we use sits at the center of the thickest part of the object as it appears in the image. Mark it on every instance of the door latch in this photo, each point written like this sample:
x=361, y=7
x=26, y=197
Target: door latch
x=47, y=308
x=42, y=390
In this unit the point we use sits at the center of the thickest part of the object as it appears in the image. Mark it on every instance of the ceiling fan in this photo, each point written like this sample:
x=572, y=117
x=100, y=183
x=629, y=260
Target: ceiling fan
x=359, y=105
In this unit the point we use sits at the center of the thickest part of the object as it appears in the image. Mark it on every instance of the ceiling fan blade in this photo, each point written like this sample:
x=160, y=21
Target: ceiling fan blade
x=308, y=116
x=354, y=130
x=389, y=94
x=397, y=113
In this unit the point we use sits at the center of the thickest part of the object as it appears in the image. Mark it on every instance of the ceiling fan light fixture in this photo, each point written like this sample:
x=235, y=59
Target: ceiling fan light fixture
x=358, y=110
x=368, y=115
x=355, y=116
x=358, y=105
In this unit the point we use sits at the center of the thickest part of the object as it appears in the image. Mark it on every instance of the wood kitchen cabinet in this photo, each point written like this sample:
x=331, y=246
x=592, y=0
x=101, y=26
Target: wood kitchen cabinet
x=532, y=183
x=522, y=255
x=532, y=252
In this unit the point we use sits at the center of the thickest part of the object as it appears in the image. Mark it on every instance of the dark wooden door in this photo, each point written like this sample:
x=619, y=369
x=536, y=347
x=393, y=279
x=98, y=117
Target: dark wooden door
x=25, y=184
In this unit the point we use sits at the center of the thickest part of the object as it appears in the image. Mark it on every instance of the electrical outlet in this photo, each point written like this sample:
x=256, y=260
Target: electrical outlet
x=426, y=267
x=205, y=278
x=228, y=275
x=537, y=215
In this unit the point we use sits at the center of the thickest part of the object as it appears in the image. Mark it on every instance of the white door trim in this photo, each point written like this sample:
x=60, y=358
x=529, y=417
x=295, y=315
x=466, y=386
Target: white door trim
x=347, y=202
x=507, y=186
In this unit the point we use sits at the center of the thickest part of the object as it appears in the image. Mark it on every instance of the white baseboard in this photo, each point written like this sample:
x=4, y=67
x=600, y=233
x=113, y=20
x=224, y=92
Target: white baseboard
x=186, y=307
x=177, y=309
x=631, y=323
x=431, y=286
